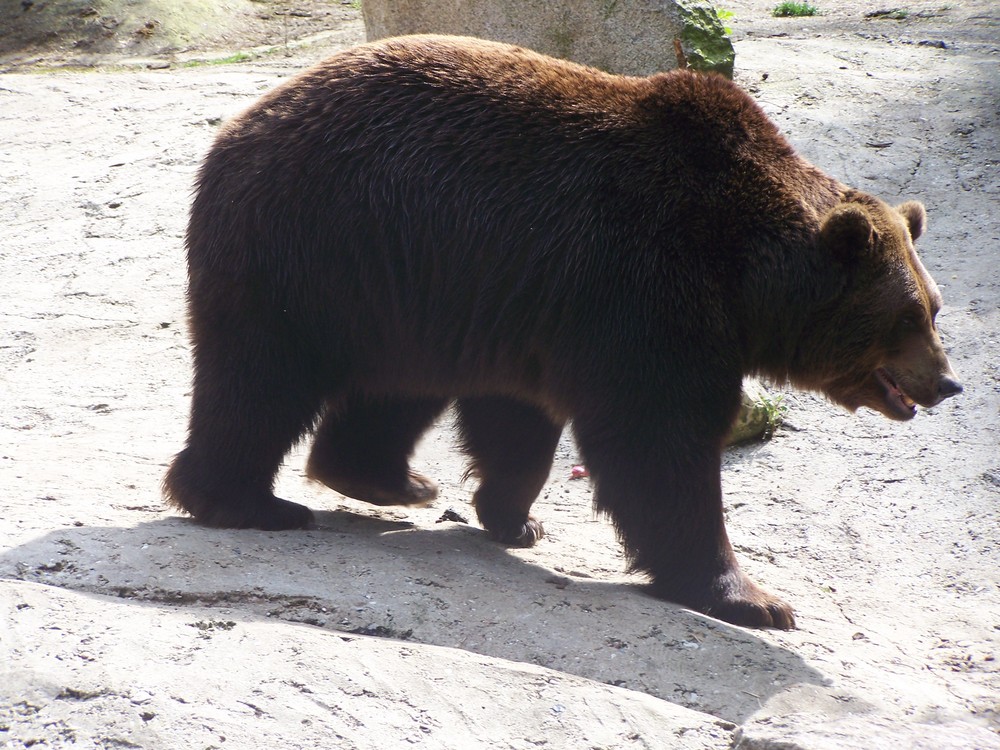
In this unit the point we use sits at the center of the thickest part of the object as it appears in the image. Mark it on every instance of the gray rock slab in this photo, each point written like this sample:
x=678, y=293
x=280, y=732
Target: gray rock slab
x=804, y=732
x=89, y=671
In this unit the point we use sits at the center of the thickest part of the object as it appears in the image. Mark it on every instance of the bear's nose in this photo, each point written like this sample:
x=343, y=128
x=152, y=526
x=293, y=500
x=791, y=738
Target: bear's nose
x=948, y=387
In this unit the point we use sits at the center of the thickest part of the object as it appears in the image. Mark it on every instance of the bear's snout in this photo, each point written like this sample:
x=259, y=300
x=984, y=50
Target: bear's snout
x=948, y=387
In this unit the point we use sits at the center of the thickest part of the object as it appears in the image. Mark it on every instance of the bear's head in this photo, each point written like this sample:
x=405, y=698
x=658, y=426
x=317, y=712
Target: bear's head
x=877, y=344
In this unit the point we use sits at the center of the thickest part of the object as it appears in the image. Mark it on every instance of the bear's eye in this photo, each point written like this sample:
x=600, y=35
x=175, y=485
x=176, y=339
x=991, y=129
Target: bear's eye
x=909, y=322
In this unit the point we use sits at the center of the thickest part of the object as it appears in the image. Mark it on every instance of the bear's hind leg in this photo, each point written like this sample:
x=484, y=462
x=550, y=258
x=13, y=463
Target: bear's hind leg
x=363, y=447
x=511, y=445
x=249, y=405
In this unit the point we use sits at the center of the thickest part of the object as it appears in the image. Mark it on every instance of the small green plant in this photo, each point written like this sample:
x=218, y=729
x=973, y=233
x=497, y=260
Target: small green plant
x=725, y=15
x=235, y=58
x=784, y=10
x=775, y=410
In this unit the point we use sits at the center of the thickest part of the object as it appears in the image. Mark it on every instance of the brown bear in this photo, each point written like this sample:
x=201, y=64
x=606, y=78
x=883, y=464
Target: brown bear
x=428, y=219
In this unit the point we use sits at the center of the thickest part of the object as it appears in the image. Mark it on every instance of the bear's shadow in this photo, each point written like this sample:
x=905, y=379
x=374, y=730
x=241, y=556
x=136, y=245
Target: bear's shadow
x=447, y=585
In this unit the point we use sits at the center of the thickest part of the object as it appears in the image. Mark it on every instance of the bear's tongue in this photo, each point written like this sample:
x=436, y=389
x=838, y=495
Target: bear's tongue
x=898, y=401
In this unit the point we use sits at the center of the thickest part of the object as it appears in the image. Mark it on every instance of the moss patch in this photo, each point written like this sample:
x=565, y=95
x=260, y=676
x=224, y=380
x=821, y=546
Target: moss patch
x=704, y=40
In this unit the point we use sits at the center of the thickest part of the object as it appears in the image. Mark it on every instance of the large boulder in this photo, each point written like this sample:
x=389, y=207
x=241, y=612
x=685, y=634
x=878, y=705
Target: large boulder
x=633, y=37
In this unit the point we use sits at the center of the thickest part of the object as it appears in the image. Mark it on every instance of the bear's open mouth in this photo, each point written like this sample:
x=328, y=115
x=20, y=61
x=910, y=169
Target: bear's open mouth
x=901, y=405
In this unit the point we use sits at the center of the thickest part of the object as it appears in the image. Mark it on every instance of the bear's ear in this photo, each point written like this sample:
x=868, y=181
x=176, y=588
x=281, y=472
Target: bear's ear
x=847, y=233
x=916, y=217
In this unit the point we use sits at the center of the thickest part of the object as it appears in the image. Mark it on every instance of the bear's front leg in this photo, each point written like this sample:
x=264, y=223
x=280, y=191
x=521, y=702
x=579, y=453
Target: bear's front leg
x=661, y=487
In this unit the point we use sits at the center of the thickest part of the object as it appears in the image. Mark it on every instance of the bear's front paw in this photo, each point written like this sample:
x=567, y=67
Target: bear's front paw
x=737, y=599
x=761, y=611
x=518, y=535
x=731, y=597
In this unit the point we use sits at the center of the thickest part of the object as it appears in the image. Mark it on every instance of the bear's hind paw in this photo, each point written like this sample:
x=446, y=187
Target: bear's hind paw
x=520, y=535
x=274, y=515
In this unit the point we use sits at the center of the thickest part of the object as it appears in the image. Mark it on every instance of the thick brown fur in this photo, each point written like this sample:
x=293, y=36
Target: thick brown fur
x=429, y=219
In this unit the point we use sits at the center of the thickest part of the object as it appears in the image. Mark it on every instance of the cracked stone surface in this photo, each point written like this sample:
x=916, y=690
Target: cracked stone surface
x=122, y=624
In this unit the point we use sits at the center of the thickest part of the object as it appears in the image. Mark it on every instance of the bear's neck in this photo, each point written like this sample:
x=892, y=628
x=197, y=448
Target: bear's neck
x=787, y=282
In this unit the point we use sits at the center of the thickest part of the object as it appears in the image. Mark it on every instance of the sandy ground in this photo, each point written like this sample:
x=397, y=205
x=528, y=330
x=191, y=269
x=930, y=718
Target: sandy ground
x=124, y=625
